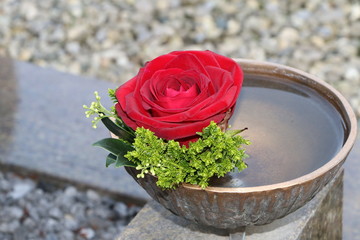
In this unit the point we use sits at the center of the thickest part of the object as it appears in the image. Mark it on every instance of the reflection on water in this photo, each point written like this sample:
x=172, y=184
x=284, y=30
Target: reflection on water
x=293, y=131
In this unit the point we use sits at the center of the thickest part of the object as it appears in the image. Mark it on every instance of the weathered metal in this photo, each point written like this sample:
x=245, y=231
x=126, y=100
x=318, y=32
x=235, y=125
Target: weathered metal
x=229, y=208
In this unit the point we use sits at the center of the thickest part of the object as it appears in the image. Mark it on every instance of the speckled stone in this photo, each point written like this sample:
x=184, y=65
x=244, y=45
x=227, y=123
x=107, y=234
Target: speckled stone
x=351, y=209
x=43, y=128
x=321, y=217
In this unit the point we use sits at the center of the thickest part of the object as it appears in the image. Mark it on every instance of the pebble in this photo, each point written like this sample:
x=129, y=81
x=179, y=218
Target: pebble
x=352, y=74
x=355, y=12
x=87, y=233
x=29, y=10
x=71, y=214
x=233, y=27
x=21, y=189
x=73, y=47
x=55, y=213
x=288, y=37
x=15, y=212
x=77, y=32
x=70, y=191
x=121, y=209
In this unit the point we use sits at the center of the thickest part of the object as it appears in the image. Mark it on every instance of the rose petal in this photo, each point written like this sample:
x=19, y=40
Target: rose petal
x=226, y=63
x=150, y=89
x=220, y=105
x=198, y=111
x=187, y=62
x=202, y=82
x=177, y=99
x=207, y=58
x=122, y=114
x=124, y=90
x=153, y=66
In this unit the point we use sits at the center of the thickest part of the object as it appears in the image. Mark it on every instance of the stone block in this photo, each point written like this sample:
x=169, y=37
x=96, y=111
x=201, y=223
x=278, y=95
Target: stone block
x=320, y=218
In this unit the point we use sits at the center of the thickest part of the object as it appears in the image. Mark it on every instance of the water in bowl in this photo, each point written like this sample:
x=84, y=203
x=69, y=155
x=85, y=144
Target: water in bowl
x=293, y=129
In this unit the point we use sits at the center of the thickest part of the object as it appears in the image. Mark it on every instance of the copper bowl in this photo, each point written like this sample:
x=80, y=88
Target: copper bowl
x=233, y=207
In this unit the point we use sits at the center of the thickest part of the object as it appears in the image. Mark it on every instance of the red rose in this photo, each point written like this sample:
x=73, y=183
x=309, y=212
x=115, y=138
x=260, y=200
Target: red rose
x=178, y=94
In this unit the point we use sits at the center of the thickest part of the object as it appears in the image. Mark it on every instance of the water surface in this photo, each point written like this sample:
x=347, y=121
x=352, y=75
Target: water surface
x=293, y=131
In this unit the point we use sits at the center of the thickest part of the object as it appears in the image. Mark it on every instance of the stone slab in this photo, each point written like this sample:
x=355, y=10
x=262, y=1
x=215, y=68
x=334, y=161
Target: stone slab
x=318, y=219
x=351, y=209
x=43, y=129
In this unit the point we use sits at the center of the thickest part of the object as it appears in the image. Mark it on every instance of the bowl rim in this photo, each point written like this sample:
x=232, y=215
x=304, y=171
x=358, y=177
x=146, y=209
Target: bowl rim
x=274, y=68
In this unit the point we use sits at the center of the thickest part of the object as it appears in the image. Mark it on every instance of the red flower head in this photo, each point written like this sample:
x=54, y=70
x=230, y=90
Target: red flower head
x=178, y=94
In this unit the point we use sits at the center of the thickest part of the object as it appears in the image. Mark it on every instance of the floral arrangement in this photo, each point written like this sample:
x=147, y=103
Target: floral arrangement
x=171, y=119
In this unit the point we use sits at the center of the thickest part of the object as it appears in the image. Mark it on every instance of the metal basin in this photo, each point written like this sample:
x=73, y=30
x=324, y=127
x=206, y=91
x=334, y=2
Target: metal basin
x=279, y=182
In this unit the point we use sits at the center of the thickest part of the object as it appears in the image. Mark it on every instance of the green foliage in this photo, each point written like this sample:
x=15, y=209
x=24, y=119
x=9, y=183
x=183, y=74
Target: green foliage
x=117, y=126
x=110, y=159
x=112, y=95
x=117, y=148
x=119, y=129
x=97, y=109
x=214, y=154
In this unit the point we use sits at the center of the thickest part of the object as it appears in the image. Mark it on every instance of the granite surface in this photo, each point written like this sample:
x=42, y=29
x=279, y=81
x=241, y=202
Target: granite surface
x=318, y=219
x=44, y=129
x=351, y=209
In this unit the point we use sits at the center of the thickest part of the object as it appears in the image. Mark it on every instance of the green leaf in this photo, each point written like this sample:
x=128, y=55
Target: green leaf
x=232, y=133
x=110, y=159
x=115, y=146
x=112, y=95
x=115, y=129
x=122, y=161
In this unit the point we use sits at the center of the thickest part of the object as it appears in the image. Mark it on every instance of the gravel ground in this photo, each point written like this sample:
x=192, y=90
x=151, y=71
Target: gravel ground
x=111, y=39
x=32, y=211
